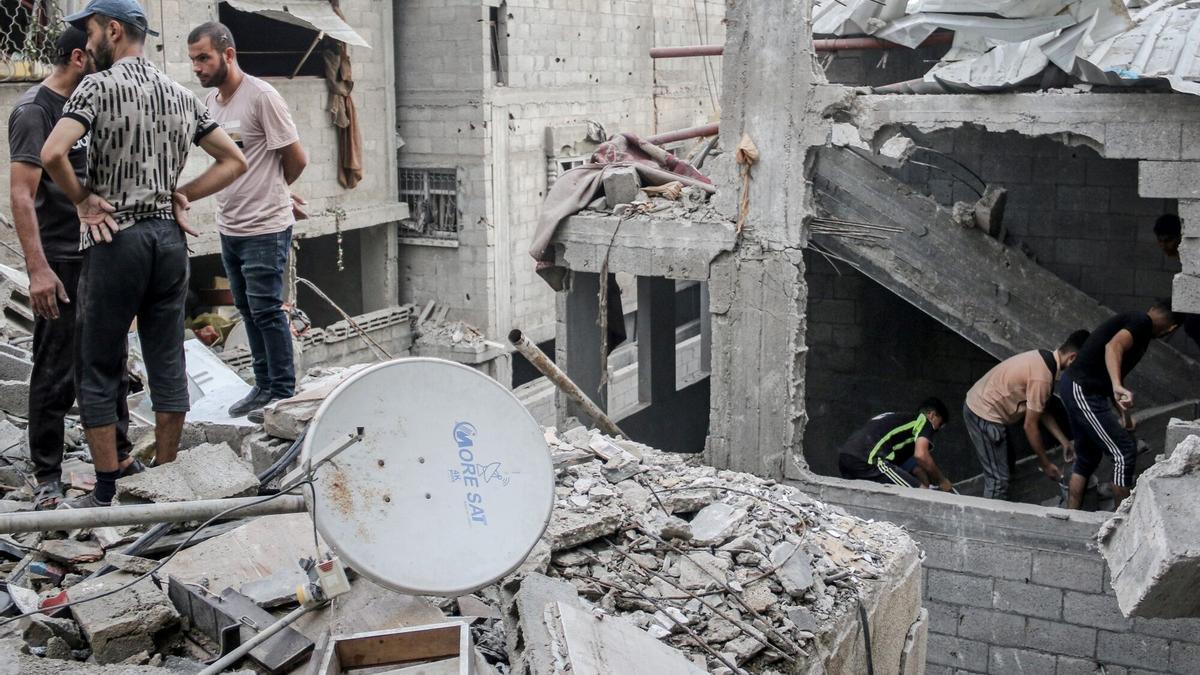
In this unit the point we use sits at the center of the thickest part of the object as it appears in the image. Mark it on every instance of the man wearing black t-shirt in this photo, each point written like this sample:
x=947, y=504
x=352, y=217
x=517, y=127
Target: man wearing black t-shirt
x=876, y=451
x=1095, y=382
x=48, y=228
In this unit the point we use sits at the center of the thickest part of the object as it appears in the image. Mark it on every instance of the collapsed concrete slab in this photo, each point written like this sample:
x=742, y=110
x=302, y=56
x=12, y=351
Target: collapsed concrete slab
x=208, y=471
x=288, y=418
x=1152, y=542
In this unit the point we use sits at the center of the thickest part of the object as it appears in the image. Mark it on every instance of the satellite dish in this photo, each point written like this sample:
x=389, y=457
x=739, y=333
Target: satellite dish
x=450, y=486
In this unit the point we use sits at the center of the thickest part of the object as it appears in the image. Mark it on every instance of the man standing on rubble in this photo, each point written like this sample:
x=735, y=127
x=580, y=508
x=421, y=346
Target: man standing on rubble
x=1096, y=382
x=133, y=219
x=256, y=213
x=48, y=229
x=1016, y=390
x=876, y=451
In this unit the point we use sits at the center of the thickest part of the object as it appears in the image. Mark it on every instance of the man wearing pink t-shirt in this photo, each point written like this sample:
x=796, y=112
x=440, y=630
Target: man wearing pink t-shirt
x=256, y=213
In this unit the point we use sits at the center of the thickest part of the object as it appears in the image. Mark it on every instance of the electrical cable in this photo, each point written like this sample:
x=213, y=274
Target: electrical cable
x=866, y=626
x=183, y=544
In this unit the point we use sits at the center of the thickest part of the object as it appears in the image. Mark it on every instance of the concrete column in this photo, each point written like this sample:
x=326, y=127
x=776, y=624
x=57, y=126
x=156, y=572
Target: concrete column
x=705, y=329
x=656, y=339
x=757, y=294
x=379, y=258
x=577, y=342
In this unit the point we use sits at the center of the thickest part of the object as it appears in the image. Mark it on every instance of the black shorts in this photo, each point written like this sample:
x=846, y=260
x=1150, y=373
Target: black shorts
x=142, y=274
x=882, y=472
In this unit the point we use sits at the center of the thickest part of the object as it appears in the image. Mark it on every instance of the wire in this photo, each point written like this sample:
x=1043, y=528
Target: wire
x=160, y=564
x=866, y=626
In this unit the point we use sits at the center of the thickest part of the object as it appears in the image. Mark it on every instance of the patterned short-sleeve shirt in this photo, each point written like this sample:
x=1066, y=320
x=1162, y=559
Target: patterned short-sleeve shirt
x=142, y=125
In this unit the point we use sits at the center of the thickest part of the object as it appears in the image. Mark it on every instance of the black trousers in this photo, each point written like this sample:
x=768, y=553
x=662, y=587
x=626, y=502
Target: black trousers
x=53, y=382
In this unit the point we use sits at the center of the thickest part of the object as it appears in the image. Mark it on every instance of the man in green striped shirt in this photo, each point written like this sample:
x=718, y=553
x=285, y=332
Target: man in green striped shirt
x=876, y=451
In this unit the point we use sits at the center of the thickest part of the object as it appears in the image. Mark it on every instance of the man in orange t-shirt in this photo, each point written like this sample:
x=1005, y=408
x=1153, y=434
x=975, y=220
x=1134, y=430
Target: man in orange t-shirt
x=1016, y=391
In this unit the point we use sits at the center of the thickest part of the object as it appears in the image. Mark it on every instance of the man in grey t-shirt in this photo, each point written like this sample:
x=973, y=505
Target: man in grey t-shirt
x=133, y=217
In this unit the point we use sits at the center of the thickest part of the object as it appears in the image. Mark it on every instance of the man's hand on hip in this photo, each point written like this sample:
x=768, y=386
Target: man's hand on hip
x=180, y=206
x=95, y=217
x=46, y=290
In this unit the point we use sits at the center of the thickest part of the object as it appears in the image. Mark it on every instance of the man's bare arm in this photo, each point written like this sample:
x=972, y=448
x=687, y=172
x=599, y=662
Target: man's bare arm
x=924, y=457
x=1034, y=436
x=228, y=165
x=1114, y=353
x=46, y=290
x=294, y=160
x=58, y=145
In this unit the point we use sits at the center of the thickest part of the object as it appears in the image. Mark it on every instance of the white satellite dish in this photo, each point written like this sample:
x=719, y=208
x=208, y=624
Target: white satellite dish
x=450, y=486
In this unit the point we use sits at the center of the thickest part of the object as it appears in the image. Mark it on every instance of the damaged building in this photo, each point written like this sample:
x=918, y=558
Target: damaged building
x=753, y=227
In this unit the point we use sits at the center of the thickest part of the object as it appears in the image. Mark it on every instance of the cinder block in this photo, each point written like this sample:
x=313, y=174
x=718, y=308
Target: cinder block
x=1098, y=611
x=1170, y=180
x=959, y=589
x=943, y=617
x=947, y=650
x=1142, y=140
x=1185, y=293
x=1185, y=658
x=1064, y=570
x=1131, y=649
x=1009, y=661
x=995, y=628
x=1072, y=665
x=1060, y=638
x=1175, y=630
x=1028, y=599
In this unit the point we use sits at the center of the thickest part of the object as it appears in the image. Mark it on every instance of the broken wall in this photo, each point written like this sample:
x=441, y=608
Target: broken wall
x=1076, y=213
x=1016, y=588
x=562, y=67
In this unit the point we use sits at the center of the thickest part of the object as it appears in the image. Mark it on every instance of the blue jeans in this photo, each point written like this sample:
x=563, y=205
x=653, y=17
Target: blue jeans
x=255, y=267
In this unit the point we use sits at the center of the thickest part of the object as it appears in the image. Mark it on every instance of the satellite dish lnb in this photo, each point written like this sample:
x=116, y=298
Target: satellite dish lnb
x=448, y=489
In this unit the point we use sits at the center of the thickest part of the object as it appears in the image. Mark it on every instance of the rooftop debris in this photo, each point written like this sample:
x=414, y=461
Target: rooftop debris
x=1003, y=45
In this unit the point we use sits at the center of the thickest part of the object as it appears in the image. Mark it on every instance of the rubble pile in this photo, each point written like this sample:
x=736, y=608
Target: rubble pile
x=733, y=571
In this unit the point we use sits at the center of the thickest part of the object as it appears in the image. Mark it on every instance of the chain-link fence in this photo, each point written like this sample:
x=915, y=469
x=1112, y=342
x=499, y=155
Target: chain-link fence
x=27, y=32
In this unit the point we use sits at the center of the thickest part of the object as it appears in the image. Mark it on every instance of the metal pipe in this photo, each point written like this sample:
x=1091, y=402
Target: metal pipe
x=141, y=514
x=683, y=134
x=552, y=372
x=822, y=45
x=244, y=648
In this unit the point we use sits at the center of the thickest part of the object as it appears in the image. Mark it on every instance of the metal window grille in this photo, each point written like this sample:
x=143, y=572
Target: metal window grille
x=432, y=198
x=557, y=166
x=28, y=29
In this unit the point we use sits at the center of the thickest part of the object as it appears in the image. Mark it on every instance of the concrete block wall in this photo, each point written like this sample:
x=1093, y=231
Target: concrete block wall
x=870, y=352
x=1076, y=213
x=567, y=63
x=685, y=89
x=1015, y=588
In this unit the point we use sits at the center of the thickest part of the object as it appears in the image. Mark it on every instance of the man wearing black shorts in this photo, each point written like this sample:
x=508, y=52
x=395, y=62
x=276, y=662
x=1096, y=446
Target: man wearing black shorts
x=133, y=219
x=876, y=451
x=1096, y=382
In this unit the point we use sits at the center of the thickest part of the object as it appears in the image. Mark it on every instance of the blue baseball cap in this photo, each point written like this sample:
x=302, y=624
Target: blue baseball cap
x=128, y=11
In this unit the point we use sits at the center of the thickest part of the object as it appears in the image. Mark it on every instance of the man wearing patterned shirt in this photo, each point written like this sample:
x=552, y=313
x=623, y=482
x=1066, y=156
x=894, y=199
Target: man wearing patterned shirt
x=132, y=218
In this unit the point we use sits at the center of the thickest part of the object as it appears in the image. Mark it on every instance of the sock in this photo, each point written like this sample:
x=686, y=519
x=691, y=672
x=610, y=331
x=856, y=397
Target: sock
x=106, y=485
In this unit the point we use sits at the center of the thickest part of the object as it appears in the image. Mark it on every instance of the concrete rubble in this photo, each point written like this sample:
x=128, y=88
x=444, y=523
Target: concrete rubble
x=1152, y=542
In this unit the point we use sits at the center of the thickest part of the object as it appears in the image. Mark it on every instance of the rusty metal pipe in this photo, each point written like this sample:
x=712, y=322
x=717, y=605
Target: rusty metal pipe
x=822, y=45
x=683, y=134
x=142, y=514
x=552, y=372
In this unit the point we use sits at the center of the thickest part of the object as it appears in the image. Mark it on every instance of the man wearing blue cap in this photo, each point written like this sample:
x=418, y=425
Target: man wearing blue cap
x=132, y=219
x=48, y=229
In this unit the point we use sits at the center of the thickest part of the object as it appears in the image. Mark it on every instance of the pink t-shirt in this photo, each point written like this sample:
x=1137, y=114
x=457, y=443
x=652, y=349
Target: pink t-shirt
x=256, y=117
